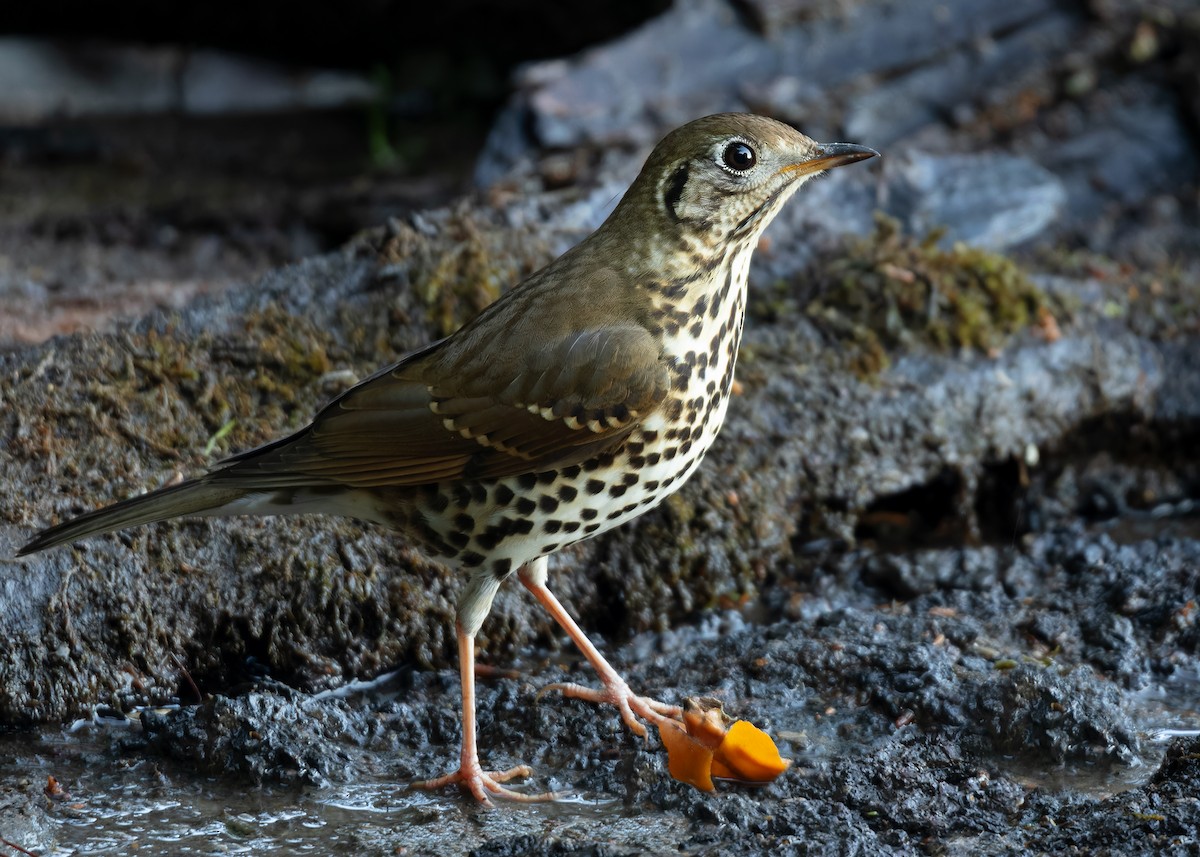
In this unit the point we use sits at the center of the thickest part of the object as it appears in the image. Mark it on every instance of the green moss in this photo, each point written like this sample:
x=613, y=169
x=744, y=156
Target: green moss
x=892, y=291
x=462, y=272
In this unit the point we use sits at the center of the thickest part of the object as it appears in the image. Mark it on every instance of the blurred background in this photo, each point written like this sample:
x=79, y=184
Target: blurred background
x=150, y=153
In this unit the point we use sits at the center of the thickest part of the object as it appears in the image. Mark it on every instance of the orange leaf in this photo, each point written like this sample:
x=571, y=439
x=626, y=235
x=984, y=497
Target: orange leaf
x=748, y=754
x=688, y=760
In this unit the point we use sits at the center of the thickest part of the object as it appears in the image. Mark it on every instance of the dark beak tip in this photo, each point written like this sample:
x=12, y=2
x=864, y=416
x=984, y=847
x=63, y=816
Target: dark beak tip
x=846, y=153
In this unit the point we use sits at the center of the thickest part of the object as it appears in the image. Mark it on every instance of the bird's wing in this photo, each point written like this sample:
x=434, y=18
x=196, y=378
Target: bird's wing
x=441, y=415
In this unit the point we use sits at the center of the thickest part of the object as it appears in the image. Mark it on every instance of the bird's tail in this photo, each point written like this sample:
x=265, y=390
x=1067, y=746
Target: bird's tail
x=202, y=496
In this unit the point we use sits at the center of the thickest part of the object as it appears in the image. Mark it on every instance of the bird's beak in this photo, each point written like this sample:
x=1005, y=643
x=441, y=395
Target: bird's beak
x=830, y=155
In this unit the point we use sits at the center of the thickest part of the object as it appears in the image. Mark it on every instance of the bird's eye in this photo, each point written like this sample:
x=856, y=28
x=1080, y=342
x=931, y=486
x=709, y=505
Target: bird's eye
x=739, y=157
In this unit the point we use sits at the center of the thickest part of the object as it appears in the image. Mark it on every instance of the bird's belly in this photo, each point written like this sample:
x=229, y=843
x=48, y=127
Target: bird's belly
x=505, y=523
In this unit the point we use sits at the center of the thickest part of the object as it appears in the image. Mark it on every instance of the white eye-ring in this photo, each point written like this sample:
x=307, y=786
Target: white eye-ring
x=738, y=158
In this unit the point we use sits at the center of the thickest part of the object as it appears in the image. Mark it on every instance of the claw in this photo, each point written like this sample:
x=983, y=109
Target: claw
x=480, y=782
x=629, y=704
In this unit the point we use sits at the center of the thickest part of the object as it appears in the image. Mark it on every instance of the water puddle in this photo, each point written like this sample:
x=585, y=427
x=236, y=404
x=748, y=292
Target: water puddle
x=112, y=805
x=1168, y=711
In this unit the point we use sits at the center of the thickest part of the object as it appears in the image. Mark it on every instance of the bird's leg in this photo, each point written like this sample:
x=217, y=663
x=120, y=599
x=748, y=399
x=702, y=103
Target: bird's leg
x=470, y=775
x=615, y=691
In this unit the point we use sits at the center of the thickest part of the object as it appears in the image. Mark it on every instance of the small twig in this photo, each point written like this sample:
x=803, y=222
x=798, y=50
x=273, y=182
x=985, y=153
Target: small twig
x=188, y=676
x=17, y=847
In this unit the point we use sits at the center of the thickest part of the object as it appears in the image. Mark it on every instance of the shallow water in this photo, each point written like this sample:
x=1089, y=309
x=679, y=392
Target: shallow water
x=113, y=805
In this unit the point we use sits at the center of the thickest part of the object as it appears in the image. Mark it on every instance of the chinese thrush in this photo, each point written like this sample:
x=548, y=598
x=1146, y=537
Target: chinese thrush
x=574, y=403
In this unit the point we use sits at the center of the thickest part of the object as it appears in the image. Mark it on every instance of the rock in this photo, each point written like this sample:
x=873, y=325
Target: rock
x=926, y=78
x=118, y=619
x=47, y=79
x=697, y=58
x=969, y=78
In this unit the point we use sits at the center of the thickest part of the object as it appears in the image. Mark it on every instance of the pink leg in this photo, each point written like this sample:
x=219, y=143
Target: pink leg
x=469, y=774
x=616, y=691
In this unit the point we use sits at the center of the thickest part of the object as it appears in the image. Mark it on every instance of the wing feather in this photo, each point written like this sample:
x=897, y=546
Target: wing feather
x=456, y=411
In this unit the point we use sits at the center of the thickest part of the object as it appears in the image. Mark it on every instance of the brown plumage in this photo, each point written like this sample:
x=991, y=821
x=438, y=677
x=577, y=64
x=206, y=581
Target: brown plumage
x=574, y=403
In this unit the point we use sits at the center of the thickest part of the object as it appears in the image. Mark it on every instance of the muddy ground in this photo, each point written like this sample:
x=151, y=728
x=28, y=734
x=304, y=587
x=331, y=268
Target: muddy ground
x=946, y=549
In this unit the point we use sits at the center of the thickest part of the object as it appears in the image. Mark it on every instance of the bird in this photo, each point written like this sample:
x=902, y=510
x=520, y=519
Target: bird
x=577, y=401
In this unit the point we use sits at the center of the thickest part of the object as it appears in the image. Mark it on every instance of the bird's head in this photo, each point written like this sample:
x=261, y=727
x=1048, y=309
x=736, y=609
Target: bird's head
x=724, y=177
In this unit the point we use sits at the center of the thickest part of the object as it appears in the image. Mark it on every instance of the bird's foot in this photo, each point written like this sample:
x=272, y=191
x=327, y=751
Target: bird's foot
x=482, y=784
x=627, y=702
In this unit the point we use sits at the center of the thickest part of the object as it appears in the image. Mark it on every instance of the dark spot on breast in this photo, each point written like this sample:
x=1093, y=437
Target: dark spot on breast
x=471, y=559
x=547, y=503
x=550, y=548
x=618, y=490
x=567, y=493
x=594, y=486
x=696, y=329
x=527, y=481
x=674, y=409
x=588, y=514
x=503, y=495
x=570, y=526
x=571, y=472
x=653, y=458
x=502, y=568
x=458, y=538
x=591, y=528
x=524, y=526
x=478, y=492
x=552, y=526
x=464, y=522
x=598, y=462
x=488, y=540
x=525, y=506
